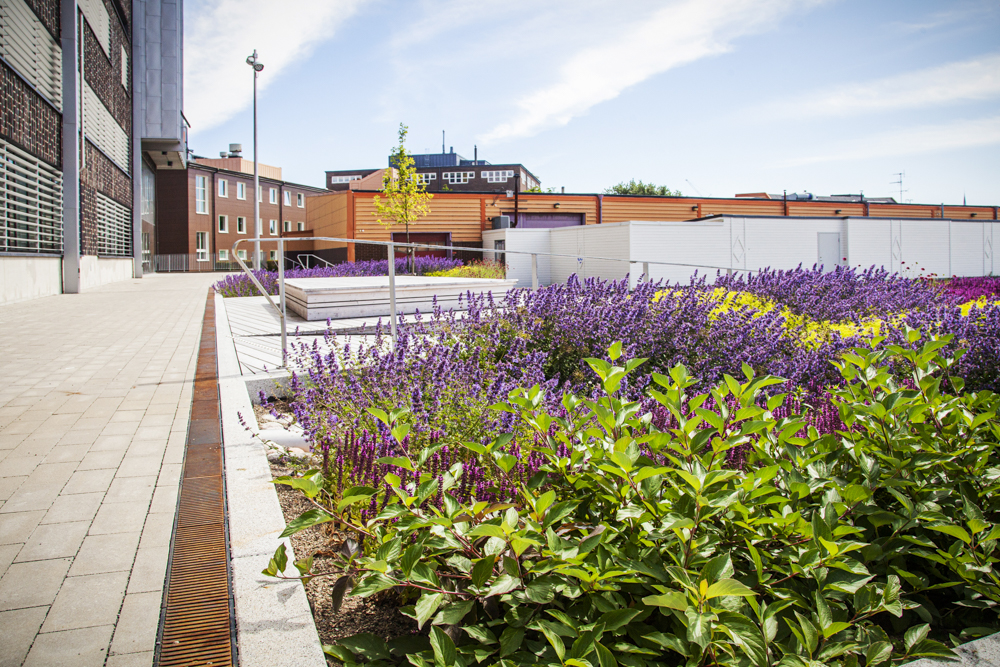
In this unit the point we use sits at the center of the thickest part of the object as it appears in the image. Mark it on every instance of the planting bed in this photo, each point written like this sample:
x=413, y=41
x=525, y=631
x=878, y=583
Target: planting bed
x=799, y=467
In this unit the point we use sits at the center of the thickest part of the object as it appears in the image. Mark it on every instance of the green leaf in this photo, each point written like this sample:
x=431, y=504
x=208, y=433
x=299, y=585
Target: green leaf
x=614, y=620
x=444, y=649
x=954, y=531
x=398, y=461
x=554, y=639
x=615, y=350
x=915, y=635
x=426, y=606
x=482, y=570
x=487, y=530
x=699, y=627
x=504, y=584
x=728, y=587
x=367, y=645
x=278, y=562
x=605, y=657
x=306, y=485
x=510, y=640
x=453, y=613
x=480, y=633
x=372, y=584
x=878, y=653
x=672, y=600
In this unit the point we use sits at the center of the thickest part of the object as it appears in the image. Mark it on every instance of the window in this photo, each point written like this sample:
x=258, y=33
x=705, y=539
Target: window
x=424, y=179
x=223, y=188
x=343, y=179
x=200, y=196
x=223, y=224
x=497, y=176
x=273, y=255
x=223, y=255
x=124, y=68
x=300, y=199
x=288, y=225
x=458, y=177
x=241, y=225
x=241, y=190
x=260, y=194
x=201, y=246
x=288, y=198
x=274, y=228
x=302, y=226
x=242, y=254
x=274, y=196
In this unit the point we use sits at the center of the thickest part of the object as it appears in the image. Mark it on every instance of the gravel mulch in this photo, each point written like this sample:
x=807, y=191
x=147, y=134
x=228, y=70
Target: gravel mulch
x=378, y=615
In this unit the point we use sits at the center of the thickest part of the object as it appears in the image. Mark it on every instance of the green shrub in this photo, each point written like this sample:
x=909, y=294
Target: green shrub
x=729, y=538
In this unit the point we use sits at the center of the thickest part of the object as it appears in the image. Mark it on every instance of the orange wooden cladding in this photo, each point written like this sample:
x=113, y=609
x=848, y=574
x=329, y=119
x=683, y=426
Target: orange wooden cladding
x=350, y=214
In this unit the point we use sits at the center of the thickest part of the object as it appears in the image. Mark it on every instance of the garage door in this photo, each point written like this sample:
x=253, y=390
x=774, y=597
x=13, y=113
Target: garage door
x=546, y=220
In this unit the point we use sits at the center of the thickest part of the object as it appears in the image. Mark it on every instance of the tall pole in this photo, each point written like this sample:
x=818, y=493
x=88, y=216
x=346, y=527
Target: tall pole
x=257, y=67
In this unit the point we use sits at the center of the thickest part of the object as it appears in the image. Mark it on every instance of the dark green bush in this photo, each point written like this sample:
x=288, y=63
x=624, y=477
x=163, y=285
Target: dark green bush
x=731, y=538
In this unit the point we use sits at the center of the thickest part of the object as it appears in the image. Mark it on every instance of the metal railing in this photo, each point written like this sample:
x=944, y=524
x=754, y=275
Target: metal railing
x=192, y=263
x=391, y=253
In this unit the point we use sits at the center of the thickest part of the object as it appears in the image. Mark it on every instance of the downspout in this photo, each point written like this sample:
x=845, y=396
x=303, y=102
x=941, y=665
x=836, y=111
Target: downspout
x=517, y=190
x=600, y=209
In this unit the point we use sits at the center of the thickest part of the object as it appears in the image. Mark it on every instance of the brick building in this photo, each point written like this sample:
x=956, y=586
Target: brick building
x=203, y=209
x=443, y=172
x=86, y=102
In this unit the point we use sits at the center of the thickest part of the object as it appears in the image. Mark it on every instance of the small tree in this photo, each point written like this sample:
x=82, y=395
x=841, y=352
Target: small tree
x=634, y=187
x=405, y=196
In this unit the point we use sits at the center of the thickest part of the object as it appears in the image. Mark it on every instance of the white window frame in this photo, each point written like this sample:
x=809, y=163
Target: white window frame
x=500, y=176
x=223, y=188
x=288, y=198
x=201, y=246
x=300, y=200
x=272, y=255
x=241, y=225
x=274, y=228
x=424, y=179
x=223, y=224
x=343, y=179
x=301, y=226
x=241, y=190
x=124, y=68
x=200, y=195
x=260, y=195
x=288, y=225
x=223, y=255
x=458, y=177
x=242, y=254
x=273, y=196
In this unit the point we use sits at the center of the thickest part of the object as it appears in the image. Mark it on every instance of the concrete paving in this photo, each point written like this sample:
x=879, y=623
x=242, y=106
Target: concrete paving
x=95, y=396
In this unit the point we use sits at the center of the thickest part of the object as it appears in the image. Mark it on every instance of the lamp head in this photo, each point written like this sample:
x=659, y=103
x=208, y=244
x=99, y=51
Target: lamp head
x=258, y=67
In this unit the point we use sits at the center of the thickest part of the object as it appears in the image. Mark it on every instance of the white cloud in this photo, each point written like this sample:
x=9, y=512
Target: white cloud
x=909, y=141
x=681, y=33
x=976, y=79
x=219, y=35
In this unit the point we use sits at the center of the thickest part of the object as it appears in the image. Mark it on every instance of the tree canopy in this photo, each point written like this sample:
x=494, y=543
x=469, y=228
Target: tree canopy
x=634, y=187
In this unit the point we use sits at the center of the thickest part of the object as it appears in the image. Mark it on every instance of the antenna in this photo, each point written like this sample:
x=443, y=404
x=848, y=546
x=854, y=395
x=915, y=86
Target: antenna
x=442, y=141
x=899, y=175
x=692, y=185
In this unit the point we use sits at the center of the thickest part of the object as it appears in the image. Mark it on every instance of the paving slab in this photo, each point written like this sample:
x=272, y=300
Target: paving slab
x=85, y=422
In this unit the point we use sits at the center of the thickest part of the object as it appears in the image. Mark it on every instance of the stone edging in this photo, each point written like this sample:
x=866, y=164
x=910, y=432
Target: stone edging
x=274, y=623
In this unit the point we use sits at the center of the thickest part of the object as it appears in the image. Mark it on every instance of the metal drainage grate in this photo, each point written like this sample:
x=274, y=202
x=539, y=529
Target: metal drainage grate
x=196, y=622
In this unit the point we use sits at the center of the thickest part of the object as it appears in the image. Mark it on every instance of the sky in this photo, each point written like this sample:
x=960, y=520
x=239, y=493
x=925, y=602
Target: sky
x=711, y=98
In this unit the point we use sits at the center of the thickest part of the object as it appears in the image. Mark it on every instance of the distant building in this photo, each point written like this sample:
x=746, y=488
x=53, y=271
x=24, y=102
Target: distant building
x=442, y=172
x=808, y=196
x=203, y=209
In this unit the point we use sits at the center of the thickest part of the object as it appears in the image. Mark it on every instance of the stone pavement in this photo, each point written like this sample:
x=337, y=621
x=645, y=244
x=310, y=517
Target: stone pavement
x=95, y=394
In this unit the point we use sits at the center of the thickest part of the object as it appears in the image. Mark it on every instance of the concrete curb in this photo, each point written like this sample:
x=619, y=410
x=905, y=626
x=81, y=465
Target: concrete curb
x=983, y=652
x=274, y=624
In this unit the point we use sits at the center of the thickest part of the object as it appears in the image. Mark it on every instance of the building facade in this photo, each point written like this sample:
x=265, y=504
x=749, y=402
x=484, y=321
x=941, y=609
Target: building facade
x=203, y=209
x=459, y=219
x=79, y=87
x=444, y=172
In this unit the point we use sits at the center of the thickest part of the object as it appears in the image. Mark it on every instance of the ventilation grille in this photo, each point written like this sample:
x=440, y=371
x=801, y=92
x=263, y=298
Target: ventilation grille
x=31, y=204
x=29, y=48
x=114, y=228
x=102, y=129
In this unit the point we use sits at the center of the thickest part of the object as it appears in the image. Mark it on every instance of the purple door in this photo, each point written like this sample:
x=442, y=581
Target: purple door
x=546, y=220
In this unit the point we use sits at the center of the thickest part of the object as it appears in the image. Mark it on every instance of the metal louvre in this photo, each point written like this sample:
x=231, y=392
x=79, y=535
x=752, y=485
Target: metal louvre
x=31, y=204
x=114, y=228
x=29, y=48
x=101, y=128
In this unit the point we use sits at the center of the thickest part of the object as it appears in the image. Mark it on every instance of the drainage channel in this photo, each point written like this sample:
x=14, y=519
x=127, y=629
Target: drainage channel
x=197, y=623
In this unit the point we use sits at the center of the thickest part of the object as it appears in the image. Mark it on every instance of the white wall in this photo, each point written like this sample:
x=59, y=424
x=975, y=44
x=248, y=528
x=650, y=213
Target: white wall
x=97, y=271
x=610, y=241
x=684, y=243
x=23, y=278
x=528, y=240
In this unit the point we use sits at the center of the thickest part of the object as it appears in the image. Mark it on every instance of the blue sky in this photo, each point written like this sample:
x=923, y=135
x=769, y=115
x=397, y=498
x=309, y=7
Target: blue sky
x=711, y=97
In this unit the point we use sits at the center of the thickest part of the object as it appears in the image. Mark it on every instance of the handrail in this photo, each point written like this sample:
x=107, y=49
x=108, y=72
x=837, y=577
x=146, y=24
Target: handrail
x=392, y=245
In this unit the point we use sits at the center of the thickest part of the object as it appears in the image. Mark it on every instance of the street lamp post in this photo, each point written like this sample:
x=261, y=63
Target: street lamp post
x=257, y=67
